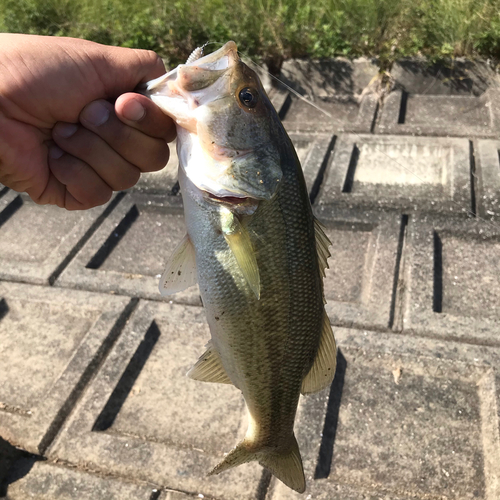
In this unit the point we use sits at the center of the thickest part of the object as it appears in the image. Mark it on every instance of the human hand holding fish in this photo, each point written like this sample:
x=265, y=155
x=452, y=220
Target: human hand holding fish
x=61, y=139
x=252, y=242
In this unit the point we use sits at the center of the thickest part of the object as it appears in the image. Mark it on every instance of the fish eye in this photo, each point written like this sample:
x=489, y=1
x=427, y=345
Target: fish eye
x=249, y=97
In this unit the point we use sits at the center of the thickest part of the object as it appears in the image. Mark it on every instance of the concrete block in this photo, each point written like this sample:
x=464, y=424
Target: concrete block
x=359, y=284
x=280, y=98
x=313, y=151
x=455, y=115
x=142, y=418
x=37, y=242
x=403, y=173
x=50, y=343
x=405, y=419
x=335, y=87
x=329, y=78
x=451, y=279
x=45, y=481
x=487, y=156
x=8, y=456
x=329, y=114
x=127, y=254
x=453, y=98
x=456, y=76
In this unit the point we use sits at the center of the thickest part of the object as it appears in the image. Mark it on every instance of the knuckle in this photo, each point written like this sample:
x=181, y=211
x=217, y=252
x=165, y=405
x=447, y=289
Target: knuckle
x=151, y=57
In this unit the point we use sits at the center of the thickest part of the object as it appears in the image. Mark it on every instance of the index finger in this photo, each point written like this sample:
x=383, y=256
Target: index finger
x=141, y=113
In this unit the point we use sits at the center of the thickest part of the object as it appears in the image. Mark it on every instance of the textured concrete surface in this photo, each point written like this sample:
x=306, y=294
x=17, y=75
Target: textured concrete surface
x=452, y=279
x=51, y=343
x=143, y=418
x=407, y=418
x=37, y=242
x=459, y=98
x=359, y=283
x=336, y=88
x=148, y=226
x=50, y=482
x=488, y=178
x=403, y=169
x=405, y=173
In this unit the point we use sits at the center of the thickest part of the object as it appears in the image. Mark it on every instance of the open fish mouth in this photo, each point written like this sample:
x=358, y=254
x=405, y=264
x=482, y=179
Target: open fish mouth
x=230, y=200
x=244, y=205
x=196, y=75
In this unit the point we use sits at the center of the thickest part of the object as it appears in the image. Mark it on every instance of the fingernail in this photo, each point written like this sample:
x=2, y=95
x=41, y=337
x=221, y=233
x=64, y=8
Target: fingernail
x=55, y=152
x=133, y=110
x=65, y=129
x=96, y=113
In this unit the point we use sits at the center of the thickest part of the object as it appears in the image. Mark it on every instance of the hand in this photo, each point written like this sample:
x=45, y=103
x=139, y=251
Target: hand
x=61, y=140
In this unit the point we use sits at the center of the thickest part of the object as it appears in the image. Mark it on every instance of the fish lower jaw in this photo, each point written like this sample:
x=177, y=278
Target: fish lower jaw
x=243, y=205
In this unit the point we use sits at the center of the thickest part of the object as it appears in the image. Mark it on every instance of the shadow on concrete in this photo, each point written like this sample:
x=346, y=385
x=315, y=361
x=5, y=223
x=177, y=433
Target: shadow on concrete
x=448, y=77
x=319, y=77
x=437, y=296
x=4, y=309
x=14, y=465
x=263, y=486
x=113, y=239
x=118, y=397
x=11, y=209
x=351, y=170
x=325, y=455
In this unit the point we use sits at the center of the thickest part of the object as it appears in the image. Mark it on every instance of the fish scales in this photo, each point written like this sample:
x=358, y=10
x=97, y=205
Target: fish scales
x=256, y=252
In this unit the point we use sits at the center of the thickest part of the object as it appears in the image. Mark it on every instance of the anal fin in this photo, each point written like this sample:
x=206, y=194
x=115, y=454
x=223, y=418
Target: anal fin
x=180, y=271
x=322, y=371
x=209, y=367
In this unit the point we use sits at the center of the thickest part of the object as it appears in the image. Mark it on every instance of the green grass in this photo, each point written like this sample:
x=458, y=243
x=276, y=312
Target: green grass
x=271, y=30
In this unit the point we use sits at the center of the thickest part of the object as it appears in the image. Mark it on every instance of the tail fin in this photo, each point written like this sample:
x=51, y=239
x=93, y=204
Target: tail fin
x=286, y=464
x=237, y=456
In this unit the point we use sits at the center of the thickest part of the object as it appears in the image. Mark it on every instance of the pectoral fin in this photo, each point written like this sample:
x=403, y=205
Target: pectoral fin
x=180, y=271
x=209, y=367
x=323, y=369
x=239, y=242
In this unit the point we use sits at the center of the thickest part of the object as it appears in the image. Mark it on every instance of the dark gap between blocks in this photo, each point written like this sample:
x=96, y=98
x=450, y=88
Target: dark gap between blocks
x=127, y=380
x=437, y=296
x=325, y=455
x=113, y=239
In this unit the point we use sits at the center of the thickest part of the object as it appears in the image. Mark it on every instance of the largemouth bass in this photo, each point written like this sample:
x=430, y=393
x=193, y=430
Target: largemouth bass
x=254, y=248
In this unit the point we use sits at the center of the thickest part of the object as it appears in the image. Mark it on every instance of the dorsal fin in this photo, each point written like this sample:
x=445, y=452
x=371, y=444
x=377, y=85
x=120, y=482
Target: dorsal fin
x=180, y=270
x=323, y=369
x=209, y=367
x=322, y=244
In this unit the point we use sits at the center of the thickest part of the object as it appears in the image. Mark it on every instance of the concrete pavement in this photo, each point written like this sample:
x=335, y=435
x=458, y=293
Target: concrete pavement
x=94, y=402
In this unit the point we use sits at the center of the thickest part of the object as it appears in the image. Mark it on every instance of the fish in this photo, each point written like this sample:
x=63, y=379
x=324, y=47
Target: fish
x=255, y=249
